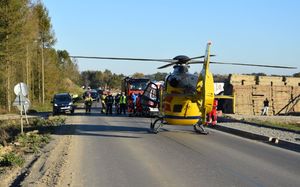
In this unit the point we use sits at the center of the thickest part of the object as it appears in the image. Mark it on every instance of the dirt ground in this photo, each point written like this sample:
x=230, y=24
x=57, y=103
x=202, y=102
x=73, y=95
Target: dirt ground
x=45, y=168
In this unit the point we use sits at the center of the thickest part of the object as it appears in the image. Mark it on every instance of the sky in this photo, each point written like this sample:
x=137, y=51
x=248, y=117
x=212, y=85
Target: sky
x=248, y=31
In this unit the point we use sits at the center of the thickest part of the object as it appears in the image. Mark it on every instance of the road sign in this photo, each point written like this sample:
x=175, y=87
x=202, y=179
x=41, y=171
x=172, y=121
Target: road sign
x=21, y=88
x=22, y=101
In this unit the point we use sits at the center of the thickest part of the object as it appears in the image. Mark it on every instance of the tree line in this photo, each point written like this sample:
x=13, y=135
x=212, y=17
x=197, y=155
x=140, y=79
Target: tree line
x=27, y=53
x=109, y=80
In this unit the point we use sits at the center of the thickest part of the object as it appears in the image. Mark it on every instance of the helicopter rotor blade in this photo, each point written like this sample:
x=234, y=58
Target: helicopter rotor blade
x=197, y=57
x=124, y=58
x=167, y=65
x=257, y=65
x=242, y=64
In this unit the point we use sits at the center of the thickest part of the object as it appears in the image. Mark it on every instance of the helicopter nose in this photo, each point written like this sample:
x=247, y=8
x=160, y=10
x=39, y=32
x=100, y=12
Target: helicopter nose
x=174, y=82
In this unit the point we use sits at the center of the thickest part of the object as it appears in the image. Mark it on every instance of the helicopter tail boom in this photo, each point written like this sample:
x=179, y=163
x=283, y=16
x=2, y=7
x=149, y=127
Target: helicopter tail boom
x=205, y=88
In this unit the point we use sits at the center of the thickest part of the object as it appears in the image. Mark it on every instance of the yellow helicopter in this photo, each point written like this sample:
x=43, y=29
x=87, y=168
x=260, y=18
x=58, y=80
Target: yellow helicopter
x=184, y=99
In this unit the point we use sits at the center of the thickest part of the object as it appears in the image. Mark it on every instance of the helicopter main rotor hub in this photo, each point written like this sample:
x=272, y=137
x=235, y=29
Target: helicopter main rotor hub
x=182, y=59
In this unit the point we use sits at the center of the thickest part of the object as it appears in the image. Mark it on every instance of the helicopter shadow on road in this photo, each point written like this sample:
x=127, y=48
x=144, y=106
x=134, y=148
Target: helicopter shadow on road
x=96, y=113
x=118, y=117
x=101, y=130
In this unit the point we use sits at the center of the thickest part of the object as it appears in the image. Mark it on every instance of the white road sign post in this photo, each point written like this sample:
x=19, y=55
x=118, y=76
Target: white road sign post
x=21, y=102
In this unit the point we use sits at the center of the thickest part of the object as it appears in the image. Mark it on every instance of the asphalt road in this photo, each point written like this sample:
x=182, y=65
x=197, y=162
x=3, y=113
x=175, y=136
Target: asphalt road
x=119, y=151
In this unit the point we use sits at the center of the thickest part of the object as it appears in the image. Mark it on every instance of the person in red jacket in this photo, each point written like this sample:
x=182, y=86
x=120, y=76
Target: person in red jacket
x=139, y=108
x=212, y=116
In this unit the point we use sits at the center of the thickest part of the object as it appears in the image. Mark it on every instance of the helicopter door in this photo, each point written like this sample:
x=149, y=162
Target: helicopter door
x=150, y=96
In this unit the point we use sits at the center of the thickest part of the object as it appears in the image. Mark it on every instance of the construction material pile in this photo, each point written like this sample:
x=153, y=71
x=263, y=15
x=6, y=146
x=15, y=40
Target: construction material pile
x=250, y=91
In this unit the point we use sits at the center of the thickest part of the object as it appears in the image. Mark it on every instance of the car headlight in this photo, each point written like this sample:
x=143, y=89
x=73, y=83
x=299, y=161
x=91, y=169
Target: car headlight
x=55, y=104
x=71, y=103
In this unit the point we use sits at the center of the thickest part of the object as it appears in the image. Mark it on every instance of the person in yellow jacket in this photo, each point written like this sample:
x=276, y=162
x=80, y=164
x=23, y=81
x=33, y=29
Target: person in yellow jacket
x=88, y=101
x=123, y=103
x=103, y=109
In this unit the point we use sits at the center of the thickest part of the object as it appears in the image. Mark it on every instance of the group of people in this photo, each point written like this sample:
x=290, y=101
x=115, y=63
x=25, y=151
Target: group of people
x=108, y=100
x=122, y=103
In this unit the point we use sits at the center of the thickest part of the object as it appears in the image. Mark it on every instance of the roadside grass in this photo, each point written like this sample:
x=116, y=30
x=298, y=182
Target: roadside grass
x=14, y=146
x=31, y=142
x=47, y=107
x=11, y=159
x=269, y=121
x=273, y=123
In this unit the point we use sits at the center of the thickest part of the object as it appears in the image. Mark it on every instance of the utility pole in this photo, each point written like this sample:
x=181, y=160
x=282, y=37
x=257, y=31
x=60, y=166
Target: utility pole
x=43, y=74
x=8, y=74
x=27, y=68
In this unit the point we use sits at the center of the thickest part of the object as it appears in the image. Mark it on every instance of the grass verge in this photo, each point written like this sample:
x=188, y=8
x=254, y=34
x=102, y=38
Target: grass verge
x=14, y=146
x=279, y=124
x=270, y=121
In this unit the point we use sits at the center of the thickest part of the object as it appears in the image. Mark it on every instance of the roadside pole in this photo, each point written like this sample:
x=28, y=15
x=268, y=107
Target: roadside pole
x=21, y=111
x=21, y=102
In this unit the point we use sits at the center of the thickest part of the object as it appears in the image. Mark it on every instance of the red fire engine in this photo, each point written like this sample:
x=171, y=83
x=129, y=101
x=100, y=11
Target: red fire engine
x=134, y=86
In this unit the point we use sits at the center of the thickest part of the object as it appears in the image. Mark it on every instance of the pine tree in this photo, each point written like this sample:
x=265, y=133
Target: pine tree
x=12, y=23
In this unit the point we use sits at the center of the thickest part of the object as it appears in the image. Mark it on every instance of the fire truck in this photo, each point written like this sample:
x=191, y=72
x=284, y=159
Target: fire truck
x=134, y=86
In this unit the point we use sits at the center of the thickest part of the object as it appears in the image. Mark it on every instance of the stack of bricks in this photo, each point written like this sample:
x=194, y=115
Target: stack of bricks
x=259, y=93
x=243, y=99
x=281, y=95
x=235, y=79
x=250, y=92
x=269, y=81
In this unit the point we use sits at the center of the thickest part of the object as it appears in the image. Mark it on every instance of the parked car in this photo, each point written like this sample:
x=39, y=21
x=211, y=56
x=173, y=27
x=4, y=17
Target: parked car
x=62, y=102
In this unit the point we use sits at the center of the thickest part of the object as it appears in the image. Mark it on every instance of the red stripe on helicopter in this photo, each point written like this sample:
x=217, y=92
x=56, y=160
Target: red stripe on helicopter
x=167, y=107
x=168, y=99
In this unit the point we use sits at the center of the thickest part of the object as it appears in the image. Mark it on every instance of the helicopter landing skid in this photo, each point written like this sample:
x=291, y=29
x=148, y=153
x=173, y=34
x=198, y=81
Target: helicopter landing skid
x=152, y=125
x=199, y=128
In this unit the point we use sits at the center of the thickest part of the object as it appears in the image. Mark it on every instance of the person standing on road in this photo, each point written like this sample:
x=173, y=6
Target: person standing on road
x=123, y=102
x=88, y=103
x=117, y=103
x=266, y=107
x=109, y=101
x=103, y=108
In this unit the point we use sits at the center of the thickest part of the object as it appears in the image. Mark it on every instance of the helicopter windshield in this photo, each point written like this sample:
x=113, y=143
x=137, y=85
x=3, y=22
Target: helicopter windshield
x=187, y=82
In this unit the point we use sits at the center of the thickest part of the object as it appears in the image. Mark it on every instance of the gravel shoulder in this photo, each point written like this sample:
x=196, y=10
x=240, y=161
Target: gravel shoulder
x=44, y=168
x=293, y=137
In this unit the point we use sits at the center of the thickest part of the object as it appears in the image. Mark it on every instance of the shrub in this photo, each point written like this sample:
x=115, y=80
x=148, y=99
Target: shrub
x=52, y=121
x=32, y=142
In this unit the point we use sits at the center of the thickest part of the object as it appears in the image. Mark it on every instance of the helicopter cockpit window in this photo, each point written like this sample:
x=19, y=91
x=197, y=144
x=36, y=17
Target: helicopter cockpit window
x=185, y=81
